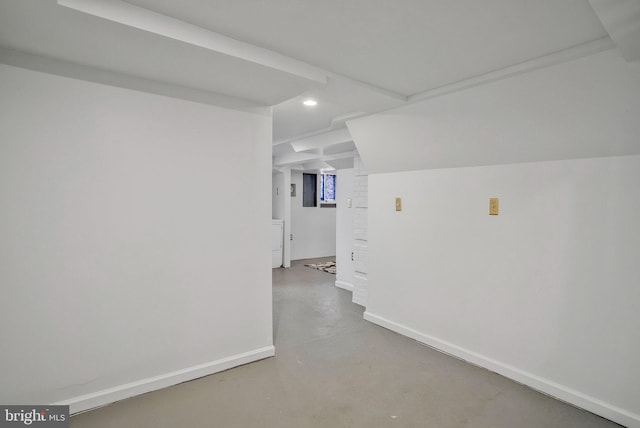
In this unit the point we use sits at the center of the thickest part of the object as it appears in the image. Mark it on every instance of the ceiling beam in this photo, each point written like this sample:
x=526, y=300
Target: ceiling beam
x=162, y=25
x=322, y=140
x=575, y=52
x=621, y=19
x=123, y=80
x=295, y=158
x=341, y=163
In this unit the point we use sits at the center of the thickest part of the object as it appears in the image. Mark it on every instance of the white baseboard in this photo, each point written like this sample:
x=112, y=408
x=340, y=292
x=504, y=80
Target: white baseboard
x=344, y=285
x=545, y=386
x=111, y=395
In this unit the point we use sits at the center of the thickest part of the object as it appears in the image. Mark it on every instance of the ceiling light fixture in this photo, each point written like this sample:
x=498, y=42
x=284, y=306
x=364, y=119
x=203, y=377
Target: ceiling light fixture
x=310, y=102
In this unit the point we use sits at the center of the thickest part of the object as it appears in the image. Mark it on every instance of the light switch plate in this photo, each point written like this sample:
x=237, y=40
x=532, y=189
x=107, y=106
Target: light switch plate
x=398, y=204
x=494, y=206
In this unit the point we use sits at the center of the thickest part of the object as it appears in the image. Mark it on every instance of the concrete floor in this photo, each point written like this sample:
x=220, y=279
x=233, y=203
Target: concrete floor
x=333, y=369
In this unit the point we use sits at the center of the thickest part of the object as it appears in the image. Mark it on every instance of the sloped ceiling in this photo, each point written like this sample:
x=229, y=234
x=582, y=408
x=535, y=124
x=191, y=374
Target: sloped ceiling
x=578, y=109
x=356, y=57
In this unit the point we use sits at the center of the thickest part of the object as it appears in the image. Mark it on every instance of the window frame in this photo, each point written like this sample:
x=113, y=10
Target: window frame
x=328, y=203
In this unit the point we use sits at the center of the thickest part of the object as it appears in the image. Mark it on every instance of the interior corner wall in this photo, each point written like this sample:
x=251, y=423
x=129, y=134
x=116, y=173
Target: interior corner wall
x=545, y=293
x=313, y=228
x=128, y=225
x=344, y=229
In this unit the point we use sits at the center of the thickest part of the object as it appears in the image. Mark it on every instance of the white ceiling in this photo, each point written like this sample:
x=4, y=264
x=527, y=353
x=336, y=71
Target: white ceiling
x=621, y=18
x=355, y=57
x=405, y=46
x=42, y=27
x=307, y=120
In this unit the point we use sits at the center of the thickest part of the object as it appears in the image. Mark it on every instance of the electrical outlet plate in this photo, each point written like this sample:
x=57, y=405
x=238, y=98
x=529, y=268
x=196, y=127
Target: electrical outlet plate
x=494, y=206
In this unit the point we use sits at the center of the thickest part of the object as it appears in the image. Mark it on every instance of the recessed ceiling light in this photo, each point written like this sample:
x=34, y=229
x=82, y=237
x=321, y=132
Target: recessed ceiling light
x=310, y=102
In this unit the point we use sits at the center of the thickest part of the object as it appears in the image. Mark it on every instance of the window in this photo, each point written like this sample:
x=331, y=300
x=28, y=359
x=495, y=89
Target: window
x=309, y=186
x=328, y=190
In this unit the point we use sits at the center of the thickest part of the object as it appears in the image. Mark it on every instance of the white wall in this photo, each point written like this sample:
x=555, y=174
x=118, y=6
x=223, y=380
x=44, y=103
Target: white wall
x=278, y=194
x=546, y=292
x=344, y=229
x=287, y=218
x=360, y=232
x=313, y=228
x=129, y=248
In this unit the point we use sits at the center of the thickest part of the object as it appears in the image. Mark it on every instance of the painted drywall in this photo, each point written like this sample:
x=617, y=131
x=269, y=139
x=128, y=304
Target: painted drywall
x=588, y=107
x=360, y=231
x=287, y=219
x=344, y=229
x=546, y=292
x=278, y=195
x=131, y=253
x=313, y=228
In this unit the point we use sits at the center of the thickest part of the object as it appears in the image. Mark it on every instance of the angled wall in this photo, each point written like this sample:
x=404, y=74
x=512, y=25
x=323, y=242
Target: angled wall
x=132, y=255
